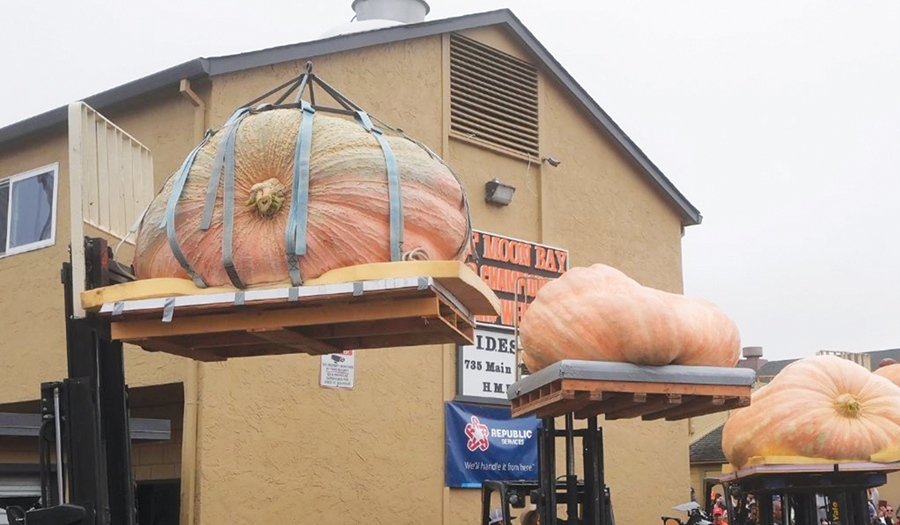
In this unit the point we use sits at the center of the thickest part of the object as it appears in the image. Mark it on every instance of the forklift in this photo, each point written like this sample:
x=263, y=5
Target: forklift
x=570, y=391
x=809, y=494
x=85, y=417
x=581, y=497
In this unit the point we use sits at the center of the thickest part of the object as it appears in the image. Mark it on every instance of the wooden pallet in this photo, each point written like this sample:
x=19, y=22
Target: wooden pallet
x=368, y=306
x=626, y=399
x=729, y=473
x=314, y=325
x=453, y=276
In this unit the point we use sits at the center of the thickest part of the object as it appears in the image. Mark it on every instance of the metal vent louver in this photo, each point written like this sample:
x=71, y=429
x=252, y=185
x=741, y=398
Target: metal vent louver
x=493, y=97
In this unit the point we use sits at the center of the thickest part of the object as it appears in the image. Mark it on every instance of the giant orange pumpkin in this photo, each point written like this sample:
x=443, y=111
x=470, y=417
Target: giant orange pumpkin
x=820, y=407
x=891, y=372
x=348, y=206
x=599, y=313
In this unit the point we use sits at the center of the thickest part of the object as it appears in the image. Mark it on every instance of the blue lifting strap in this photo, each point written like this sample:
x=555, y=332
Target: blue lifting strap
x=393, y=176
x=228, y=203
x=295, y=234
x=168, y=221
x=212, y=189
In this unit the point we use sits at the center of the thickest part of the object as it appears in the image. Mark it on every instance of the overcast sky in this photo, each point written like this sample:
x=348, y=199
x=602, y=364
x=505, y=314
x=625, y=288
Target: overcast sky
x=779, y=120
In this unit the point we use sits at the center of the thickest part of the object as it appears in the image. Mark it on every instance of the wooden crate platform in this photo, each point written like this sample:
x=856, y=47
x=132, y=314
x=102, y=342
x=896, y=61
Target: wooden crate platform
x=810, y=478
x=561, y=392
x=455, y=277
x=731, y=474
x=315, y=319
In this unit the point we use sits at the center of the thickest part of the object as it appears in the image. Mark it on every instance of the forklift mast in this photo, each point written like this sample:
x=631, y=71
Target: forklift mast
x=85, y=417
x=587, y=501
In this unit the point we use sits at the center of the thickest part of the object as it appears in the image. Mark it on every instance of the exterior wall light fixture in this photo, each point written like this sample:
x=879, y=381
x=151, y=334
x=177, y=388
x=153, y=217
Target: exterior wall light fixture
x=552, y=161
x=497, y=193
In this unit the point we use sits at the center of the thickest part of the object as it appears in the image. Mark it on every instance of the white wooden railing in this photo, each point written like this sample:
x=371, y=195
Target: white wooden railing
x=110, y=182
x=858, y=358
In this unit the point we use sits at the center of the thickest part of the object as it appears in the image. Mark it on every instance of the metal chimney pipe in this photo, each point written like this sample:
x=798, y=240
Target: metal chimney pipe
x=752, y=351
x=404, y=11
x=752, y=358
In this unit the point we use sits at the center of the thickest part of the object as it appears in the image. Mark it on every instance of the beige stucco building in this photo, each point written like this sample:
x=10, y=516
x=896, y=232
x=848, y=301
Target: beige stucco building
x=257, y=439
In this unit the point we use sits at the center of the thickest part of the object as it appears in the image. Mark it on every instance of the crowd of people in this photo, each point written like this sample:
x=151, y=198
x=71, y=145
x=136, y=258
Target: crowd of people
x=880, y=511
x=720, y=510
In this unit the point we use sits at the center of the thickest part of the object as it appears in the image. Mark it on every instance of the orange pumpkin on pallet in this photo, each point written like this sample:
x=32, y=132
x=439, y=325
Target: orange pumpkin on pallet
x=599, y=313
x=891, y=372
x=820, y=407
x=348, y=206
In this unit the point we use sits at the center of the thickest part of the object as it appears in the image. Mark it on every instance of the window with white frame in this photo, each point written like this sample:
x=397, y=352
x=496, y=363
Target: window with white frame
x=28, y=210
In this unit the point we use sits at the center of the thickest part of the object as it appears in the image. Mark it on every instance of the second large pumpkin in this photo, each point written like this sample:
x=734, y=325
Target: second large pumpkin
x=599, y=313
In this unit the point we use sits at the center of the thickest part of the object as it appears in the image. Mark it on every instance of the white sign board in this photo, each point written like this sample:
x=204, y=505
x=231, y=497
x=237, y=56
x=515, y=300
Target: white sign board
x=488, y=367
x=515, y=270
x=337, y=370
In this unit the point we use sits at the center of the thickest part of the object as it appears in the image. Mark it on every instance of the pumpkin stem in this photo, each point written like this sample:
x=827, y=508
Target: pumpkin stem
x=847, y=405
x=416, y=254
x=267, y=198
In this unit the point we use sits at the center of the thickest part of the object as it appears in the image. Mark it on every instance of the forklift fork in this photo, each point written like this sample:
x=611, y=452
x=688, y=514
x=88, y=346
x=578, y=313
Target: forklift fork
x=89, y=413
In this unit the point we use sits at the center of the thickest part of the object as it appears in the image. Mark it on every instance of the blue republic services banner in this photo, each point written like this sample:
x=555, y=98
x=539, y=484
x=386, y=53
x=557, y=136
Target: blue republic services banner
x=487, y=443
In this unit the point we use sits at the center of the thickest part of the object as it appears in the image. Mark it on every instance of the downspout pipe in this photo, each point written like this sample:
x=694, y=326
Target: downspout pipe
x=189, y=442
x=199, y=108
x=190, y=436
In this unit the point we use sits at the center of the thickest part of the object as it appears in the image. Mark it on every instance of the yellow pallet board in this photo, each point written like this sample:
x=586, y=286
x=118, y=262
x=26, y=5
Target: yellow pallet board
x=888, y=456
x=454, y=276
x=362, y=307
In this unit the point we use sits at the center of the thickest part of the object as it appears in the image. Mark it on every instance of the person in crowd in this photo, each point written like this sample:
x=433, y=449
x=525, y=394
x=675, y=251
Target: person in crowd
x=821, y=507
x=720, y=505
x=885, y=515
x=873, y=496
x=719, y=516
x=715, y=496
x=777, y=514
x=752, y=513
